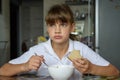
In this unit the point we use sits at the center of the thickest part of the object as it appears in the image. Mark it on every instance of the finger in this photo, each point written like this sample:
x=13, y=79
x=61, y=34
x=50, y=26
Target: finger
x=82, y=65
x=35, y=68
x=37, y=62
x=39, y=58
x=36, y=65
x=78, y=64
x=79, y=61
x=82, y=61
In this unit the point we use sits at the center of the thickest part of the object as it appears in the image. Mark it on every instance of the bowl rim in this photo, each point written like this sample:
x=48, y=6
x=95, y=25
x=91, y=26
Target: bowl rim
x=57, y=65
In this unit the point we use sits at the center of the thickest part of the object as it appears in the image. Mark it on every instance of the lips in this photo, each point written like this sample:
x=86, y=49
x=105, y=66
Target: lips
x=57, y=37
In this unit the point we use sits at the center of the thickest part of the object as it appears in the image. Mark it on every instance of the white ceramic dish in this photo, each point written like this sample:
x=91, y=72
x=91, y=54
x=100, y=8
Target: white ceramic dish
x=60, y=72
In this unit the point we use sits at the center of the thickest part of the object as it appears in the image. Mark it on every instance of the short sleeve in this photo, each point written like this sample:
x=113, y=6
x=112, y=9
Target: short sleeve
x=23, y=58
x=89, y=54
x=94, y=57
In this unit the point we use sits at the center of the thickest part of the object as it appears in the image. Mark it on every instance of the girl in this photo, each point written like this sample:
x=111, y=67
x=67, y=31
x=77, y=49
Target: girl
x=60, y=23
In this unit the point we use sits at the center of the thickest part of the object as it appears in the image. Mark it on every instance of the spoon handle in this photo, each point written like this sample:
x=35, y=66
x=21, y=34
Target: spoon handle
x=43, y=61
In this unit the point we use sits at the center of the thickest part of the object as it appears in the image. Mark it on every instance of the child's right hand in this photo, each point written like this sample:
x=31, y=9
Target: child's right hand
x=33, y=63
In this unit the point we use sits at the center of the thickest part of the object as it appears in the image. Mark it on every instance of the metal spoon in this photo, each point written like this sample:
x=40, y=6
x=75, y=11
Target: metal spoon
x=43, y=61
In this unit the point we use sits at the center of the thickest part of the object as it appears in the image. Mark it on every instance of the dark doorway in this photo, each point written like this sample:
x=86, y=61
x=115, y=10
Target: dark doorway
x=14, y=26
x=0, y=6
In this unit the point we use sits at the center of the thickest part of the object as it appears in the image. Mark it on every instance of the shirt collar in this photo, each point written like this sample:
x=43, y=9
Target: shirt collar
x=51, y=51
x=71, y=45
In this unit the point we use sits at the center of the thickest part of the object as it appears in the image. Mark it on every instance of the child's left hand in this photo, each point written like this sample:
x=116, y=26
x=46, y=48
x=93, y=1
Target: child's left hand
x=82, y=65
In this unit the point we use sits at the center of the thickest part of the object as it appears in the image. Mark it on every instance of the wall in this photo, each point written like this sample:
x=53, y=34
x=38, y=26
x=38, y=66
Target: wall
x=4, y=21
x=2, y=28
x=109, y=30
x=5, y=30
x=31, y=22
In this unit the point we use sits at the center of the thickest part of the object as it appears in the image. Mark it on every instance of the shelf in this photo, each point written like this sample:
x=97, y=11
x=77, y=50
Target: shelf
x=76, y=2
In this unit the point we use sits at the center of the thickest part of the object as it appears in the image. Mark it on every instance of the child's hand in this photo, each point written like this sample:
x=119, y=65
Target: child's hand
x=82, y=65
x=34, y=63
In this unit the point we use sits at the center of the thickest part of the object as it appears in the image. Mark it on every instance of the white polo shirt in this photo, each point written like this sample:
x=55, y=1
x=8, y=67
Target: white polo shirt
x=51, y=58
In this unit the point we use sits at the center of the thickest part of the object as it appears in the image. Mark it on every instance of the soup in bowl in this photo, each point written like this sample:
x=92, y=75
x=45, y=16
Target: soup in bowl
x=60, y=72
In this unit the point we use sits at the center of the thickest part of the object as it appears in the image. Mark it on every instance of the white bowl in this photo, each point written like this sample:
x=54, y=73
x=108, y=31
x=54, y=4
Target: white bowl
x=60, y=72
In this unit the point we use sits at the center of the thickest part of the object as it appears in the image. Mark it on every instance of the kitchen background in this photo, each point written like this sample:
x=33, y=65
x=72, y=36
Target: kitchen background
x=22, y=25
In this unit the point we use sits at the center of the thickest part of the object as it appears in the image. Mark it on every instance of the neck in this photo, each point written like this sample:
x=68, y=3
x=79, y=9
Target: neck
x=60, y=49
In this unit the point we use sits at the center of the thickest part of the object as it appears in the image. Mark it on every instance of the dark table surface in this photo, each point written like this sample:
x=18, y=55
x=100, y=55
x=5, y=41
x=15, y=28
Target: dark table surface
x=33, y=77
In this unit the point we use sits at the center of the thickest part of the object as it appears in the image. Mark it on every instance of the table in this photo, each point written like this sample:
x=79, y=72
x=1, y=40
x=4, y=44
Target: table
x=33, y=77
x=28, y=77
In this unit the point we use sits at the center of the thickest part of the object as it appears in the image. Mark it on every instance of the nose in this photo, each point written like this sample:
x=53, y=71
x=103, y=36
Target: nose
x=57, y=29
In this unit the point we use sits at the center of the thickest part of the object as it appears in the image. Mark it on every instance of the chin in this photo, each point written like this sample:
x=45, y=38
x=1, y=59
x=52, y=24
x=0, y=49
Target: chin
x=58, y=41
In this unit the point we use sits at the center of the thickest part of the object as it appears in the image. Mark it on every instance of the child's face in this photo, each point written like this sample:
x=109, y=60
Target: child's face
x=59, y=32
